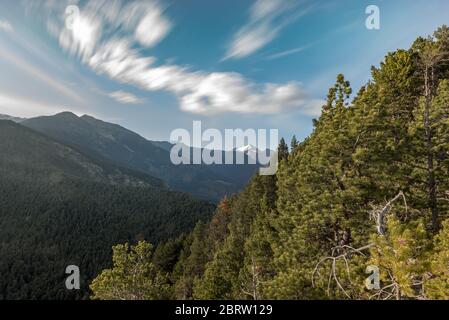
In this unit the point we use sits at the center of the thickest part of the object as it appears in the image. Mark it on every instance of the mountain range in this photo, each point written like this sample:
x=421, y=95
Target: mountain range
x=113, y=143
x=71, y=187
x=15, y=119
x=61, y=206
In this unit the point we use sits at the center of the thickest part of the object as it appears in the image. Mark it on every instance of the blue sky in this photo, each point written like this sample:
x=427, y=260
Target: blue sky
x=155, y=66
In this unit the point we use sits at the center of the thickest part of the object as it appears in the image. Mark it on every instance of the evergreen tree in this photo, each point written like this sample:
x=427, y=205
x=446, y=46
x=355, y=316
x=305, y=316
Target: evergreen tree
x=430, y=126
x=283, y=151
x=437, y=287
x=294, y=144
x=402, y=257
x=133, y=276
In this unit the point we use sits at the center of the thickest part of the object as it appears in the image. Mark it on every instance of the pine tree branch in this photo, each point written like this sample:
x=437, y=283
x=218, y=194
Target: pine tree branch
x=378, y=214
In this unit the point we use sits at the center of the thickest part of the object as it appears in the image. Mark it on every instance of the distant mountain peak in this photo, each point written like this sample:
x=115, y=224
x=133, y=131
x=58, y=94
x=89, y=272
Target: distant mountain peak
x=67, y=114
x=118, y=145
x=92, y=118
x=11, y=118
x=247, y=148
x=86, y=116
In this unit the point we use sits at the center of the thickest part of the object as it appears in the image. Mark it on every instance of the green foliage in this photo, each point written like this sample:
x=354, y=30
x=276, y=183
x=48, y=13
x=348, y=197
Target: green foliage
x=222, y=274
x=402, y=256
x=283, y=151
x=437, y=287
x=293, y=144
x=60, y=207
x=311, y=231
x=133, y=276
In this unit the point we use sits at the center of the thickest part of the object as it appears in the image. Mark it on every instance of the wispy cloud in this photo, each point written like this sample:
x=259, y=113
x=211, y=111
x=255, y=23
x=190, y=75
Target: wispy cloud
x=114, y=49
x=145, y=20
x=198, y=92
x=286, y=53
x=23, y=107
x=126, y=98
x=153, y=27
x=266, y=20
x=6, y=26
x=41, y=75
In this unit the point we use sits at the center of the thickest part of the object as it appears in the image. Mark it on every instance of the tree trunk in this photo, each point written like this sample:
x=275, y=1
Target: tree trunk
x=431, y=181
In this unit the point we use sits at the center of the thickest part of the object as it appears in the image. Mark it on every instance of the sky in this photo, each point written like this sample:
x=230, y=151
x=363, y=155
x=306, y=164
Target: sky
x=156, y=66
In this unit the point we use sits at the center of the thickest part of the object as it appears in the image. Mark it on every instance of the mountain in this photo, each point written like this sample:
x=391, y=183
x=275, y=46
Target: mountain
x=60, y=207
x=249, y=150
x=25, y=151
x=163, y=145
x=121, y=146
x=245, y=148
x=235, y=176
x=15, y=119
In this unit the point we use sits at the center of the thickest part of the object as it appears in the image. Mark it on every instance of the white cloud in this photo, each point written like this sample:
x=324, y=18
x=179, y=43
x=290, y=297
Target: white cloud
x=125, y=97
x=221, y=92
x=267, y=19
x=250, y=39
x=152, y=28
x=6, y=26
x=286, y=53
x=144, y=18
x=198, y=92
x=119, y=30
x=83, y=36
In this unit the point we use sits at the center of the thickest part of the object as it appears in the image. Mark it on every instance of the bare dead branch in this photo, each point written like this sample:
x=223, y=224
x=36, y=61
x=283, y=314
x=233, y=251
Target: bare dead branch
x=378, y=214
x=334, y=258
x=345, y=252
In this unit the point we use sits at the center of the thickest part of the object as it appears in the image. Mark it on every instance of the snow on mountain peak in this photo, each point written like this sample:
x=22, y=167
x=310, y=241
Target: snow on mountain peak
x=246, y=148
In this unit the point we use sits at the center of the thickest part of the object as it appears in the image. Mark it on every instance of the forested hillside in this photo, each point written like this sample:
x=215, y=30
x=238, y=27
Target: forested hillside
x=127, y=149
x=59, y=207
x=369, y=187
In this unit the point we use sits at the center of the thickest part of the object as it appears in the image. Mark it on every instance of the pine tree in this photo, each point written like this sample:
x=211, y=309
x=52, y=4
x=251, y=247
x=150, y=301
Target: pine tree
x=133, y=276
x=429, y=129
x=223, y=274
x=294, y=144
x=402, y=257
x=320, y=204
x=257, y=268
x=191, y=264
x=283, y=151
x=437, y=287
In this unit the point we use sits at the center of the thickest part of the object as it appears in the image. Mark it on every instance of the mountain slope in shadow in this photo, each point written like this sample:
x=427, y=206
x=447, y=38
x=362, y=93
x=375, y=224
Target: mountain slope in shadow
x=126, y=148
x=60, y=207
